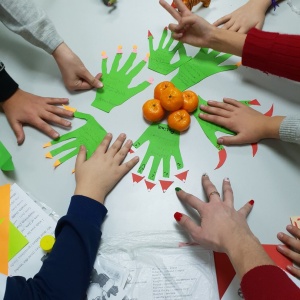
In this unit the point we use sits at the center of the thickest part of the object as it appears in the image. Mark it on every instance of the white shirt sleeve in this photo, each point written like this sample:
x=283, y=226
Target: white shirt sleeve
x=31, y=22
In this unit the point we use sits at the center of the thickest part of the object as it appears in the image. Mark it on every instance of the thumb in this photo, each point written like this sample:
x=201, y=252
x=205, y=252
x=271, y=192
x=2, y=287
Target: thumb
x=19, y=132
x=230, y=140
x=81, y=157
x=91, y=80
x=245, y=210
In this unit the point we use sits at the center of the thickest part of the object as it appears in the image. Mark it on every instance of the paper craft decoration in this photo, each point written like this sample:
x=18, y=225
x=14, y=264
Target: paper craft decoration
x=17, y=241
x=6, y=163
x=116, y=83
x=210, y=130
x=163, y=144
x=295, y=221
x=204, y=64
x=4, y=227
x=160, y=59
x=191, y=3
x=90, y=135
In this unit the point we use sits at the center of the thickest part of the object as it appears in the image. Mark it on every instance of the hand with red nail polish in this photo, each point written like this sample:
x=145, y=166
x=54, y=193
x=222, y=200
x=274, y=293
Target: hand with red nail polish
x=291, y=248
x=221, y=228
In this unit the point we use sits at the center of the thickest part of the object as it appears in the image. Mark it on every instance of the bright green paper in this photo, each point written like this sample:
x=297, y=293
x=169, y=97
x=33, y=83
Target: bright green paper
x=116, y=82
x=204, y=64
x=17, y=241
x=160, y=59
x=210, y=129
x=6, y=163
x=163, y=144
x=90, y=135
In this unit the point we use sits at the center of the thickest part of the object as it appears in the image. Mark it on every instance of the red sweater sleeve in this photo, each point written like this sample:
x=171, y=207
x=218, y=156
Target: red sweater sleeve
x=268, y=282
x=273, y=53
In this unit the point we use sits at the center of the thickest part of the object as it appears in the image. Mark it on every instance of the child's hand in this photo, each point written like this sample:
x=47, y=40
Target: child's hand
x=250, y=125
x=244, y=18
x=97, y=176
x=25, y=108
x=291, y=248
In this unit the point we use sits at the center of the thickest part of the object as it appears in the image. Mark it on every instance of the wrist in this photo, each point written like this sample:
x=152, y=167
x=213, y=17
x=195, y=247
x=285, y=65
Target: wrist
x=88, y=192
x=262, y=4
x=272, y=125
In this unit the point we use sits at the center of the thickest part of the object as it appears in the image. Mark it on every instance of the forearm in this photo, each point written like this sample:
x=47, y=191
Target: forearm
x=262, y=4
x=31, y=22
x=65, y=273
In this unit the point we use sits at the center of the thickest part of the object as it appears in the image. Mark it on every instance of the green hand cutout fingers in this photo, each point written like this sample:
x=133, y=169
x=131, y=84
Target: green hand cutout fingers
x=160, y=59
x=163, y=144
x=90, y=135
x=203, y=65
x=6, y=163
x=116, y=91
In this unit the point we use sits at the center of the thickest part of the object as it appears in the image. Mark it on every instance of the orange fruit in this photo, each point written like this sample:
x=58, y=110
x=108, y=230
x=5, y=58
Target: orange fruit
x=190, y=101
x=179, y=120
x=171, y=99
x=160, y=87
x=153, y=111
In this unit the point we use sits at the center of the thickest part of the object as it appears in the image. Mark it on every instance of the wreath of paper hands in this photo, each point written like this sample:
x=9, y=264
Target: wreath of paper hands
x=164, y=143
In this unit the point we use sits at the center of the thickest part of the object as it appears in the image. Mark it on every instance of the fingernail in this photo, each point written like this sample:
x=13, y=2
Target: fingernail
x=280, y=235
x=67, y=123
x=177, y=216
x=99, y=84
x=81, y=147
x=220, y=141
x=280, y=247
x=289, y=227
x=55, y=135
x=177, y=189
x=251, y=202
x=289, y=267
x=226, y=179
x=205, y=175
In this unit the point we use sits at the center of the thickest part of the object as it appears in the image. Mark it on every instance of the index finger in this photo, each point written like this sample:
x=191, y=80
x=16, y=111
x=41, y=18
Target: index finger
x=190, y=199
x=172, y=11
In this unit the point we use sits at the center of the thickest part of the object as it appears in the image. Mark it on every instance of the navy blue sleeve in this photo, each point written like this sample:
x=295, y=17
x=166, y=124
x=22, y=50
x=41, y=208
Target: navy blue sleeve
x=7, y=85
x=66, y=272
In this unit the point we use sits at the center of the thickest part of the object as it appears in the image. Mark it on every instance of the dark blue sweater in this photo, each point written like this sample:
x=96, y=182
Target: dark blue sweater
x=66, y=272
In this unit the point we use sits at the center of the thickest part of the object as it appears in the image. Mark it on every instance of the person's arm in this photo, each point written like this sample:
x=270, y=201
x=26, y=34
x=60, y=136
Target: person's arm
x=31, y=22
x=249, y=15
x=65, y=274
x=223, y=229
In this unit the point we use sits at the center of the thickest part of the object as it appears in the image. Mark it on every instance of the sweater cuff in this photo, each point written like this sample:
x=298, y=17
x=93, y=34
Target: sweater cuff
x=289, y=130
x=87, y=209
x=7, y=86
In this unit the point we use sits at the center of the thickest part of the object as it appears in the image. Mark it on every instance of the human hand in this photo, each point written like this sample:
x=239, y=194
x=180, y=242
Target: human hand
x=74, y=73
x=25, y=108
x=221, y=226
x=250, y=125
x=251, y=14
x=191, y=29
x=291, y=249
x=97, y=176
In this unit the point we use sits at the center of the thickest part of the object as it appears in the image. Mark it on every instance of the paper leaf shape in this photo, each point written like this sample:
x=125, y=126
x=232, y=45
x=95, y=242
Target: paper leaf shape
x=116, y=82
x=163, y=144
x=160, y=59
x=6, y=163
x=90, y=135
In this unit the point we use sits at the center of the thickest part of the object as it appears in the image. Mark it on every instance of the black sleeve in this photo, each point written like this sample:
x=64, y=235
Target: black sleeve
x=7, y=85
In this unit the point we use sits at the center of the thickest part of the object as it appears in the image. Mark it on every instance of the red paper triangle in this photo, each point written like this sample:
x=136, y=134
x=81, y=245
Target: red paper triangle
x=269, y=113
x=137, y=178
x=254, y=102
x=182, y=176
x=254, y=149
x=150, y=185
x=165, y=184
x=222, y=158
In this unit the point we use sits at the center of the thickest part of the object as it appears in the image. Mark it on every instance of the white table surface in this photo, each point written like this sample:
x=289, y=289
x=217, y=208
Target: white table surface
x=271, y=178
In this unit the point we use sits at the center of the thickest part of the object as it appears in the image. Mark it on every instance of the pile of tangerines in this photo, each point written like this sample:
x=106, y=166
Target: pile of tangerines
x=169, y=98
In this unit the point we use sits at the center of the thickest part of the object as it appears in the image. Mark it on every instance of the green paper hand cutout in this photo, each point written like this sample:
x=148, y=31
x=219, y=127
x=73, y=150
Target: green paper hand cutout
x=204, y=64
x=90, y=135
x=6, y=163
x=160, y=59
x=163, y=144
x=116, y=83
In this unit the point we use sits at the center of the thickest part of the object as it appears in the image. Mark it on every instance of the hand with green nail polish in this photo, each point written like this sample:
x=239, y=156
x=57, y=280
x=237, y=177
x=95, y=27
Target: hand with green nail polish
x=163, y=145
x=90, y=135
x=6, y=163
x=116, y=82
x=160, y=59
x=204, y=64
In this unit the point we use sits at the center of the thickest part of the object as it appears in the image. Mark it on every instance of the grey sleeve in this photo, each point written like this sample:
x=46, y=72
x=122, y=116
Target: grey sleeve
x=289, y=130
x=31, y=22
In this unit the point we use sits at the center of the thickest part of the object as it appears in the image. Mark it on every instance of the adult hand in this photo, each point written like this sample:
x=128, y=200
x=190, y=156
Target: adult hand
x=221, y=226
x=97, y=176
x=249, y=124
x=74, y=73
x=25, y=108
x=249, y=15
x=291, y=248
x=191, y=29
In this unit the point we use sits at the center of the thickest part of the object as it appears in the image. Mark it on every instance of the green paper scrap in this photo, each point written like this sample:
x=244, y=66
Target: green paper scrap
x=209, y=128
x=204, y=64
x=163, y=144
x=160, y=59
x=90, y=135
x=17, y=241
x=116, y=91
x=6, y=163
